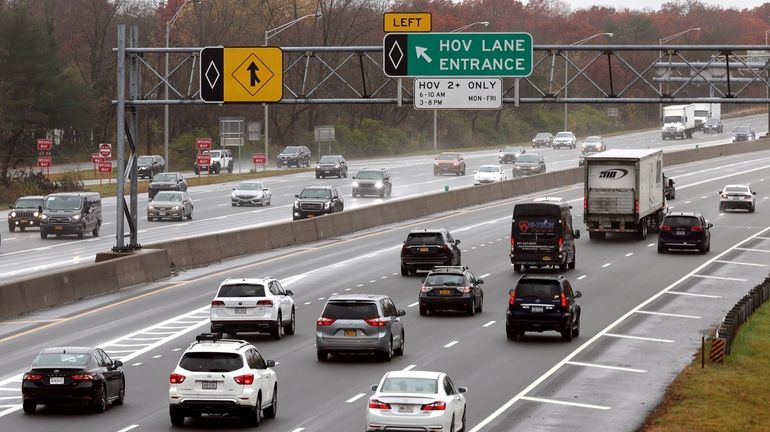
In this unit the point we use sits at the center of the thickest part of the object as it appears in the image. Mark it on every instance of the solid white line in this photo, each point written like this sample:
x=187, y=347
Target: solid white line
x=719, y=278
x=638, y=338
x=126, y=429
x=9, y=389
x=408, y=368
x=414, y=304
x=667, y=314
x=557, y=402
x=753, y=250
x=298, y=430
x=741, y=263
x=356, y=397
x=617, y=368
x=451, y=344
x=695, y=295
x=137, y=364
x=10, y=397
x=483, y=276
x=606, y=265
x=651, y=244
x=489, y=323
x=582, y=277
x=763, y=238
x=504, y=407
x=629, y=254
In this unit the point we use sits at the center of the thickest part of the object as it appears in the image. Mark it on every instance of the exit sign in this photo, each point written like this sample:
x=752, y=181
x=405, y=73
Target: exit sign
x=457, y=55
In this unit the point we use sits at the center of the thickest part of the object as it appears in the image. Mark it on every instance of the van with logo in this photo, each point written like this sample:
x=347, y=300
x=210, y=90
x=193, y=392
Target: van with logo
x=624, y=192
x=542, y=235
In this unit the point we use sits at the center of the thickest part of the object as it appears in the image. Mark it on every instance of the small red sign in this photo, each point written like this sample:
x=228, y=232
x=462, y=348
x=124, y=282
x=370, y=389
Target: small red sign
x=105, y=149
x=105, y=167
x=258, y=158
x=95, y=158
x=44, y=144
x=203, y=143
x=203, y=159
x=44, y=161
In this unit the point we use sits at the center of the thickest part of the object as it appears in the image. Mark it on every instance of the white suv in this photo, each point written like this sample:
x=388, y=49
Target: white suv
x=222, y=376
x=253, y=305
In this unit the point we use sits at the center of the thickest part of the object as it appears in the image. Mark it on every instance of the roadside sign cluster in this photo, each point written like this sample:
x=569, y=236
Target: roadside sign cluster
x=44, y=158
x=259, y=159
x=201, y=159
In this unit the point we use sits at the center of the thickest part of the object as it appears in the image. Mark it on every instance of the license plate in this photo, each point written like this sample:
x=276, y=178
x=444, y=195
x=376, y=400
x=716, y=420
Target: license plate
x=23, y=221
x=735, y=198
x=162, y=213
x=547, y=258
x=444, y=292
x=350, y=332
x=311, y=216
x=537, y=308
x=327, y=172
x=58, y=228
x=209, y=385
x=679, y=233
x=241, y=311
x=56, y=380
x=405, y=408
x=423, y=249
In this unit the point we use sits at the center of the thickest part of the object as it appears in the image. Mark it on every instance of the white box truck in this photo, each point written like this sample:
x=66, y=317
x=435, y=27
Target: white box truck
x=705, y=111
x=678, y=121
x=624, y=192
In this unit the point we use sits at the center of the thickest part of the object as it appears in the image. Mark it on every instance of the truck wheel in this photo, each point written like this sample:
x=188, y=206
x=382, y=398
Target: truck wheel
x=642, y=233
x=593, y=235
x=517, y=268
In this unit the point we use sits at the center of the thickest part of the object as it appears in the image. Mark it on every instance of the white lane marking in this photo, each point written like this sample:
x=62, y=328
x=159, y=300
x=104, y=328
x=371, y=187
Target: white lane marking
x=176, y=349
x=157, y=356
x=641, y=338
x=651, y=244
x=719, y=278
x=606, y=265
x=298, y=429
x=629, y=254
x=145, y=339
x=394, y=273
x=307, y=303
x=372, y=281
x=753, y=250
x=9, y=389
x=489, y=323
x=321, y=298
x=687, y=202
x=10, y=397
x=9, y=238
x=348, y=289
x=335, y=294
x=451, y=344
x=473, y=248
x=582, y=277
x=504, y=407
x=667, y=314
x=383, y=277
x=356, y=397
x=222, y=205
x=137, y=364
x=617, y=368
x=408, y=368
x=695, y=294
x=359, y=285
x=741, y=263
x=762, y=238
x=414, y=304
x=483, y=276
x=126, y=429
x=130, y=345
x=557, y=402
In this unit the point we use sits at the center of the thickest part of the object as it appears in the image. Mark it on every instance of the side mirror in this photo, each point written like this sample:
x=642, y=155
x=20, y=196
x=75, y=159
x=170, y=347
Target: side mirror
x=480, y=282
x=709, y=224
x=577, y=234
x=233, y=187
x=39, y=209
x=510, y=291
x=265, y=189
x=296, y=196
x=462, y=390
x=578, y=294
x=117, y=363
x=401, y=312
x=753, y=193
x=289, y=292
x=457, y=242
x=374, y=387
x=270, y=363
x=719, y=192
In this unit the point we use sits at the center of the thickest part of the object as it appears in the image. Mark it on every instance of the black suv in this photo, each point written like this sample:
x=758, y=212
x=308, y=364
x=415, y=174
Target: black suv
x=425, y=248
x=451, y=287
x=26, y=213
x=713, y=125
x=170, y=181
x=294, y=155
x=540, y=303
x=316, y=201
x=149, y=165
x=372, y=182
x=684, y=230
x=331, y=165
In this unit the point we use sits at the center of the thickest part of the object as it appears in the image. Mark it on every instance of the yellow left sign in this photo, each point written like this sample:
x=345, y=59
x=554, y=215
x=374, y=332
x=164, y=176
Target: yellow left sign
x=241, y=74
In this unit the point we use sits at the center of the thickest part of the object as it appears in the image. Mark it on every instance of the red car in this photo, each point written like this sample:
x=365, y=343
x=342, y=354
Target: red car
x=449, y=163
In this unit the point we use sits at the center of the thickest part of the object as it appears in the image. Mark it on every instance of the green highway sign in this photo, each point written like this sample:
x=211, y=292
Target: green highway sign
x=457, y=55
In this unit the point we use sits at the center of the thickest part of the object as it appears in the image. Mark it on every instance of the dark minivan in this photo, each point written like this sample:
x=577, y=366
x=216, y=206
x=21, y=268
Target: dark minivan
x=542, y=235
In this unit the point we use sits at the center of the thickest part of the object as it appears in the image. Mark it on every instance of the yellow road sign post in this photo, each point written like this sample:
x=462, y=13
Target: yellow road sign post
x=241, y=74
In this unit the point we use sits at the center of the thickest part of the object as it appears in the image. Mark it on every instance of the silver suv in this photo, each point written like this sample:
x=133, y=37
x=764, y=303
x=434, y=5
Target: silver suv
x=360, y=323
x=248, y=305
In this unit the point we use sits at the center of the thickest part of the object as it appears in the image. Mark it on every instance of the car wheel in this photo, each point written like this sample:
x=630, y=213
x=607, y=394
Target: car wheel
x=708, y=246
x=43, y=235
x=566, y=334
x=177, y=419
x=563, y=266
x=751, y=210
x=121, y=395
x=721, y=208
x=382, y=194
x=423, y=311
x=571, y=265
x=702, y=250
x=400, y=350
x=82, y=232
x=661, y=248
x=322, y=356
x=95, y=231
x=354, y=194
x=277, y=330
x=189, y=216
x=472, y=309
x=317, y=176
x=511, y=333
x=255, y=416
x=11, y=228
x=576, y=330
x=452, y=425
x=480, y=306
x=387, y=355
x=517, y=268
x=642, y=233
x=292, y=326
x=100, y=405
x=29, y=406
x=404, y=270
x=234, y=204
x=272, y=410
x=464, y=424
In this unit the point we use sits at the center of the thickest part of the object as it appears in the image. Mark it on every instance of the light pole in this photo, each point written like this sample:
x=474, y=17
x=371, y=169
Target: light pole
x=566, y=68
x=435, y=111
x=667, y=39
x=268, y=34
x=767, y=88
x=170, y=23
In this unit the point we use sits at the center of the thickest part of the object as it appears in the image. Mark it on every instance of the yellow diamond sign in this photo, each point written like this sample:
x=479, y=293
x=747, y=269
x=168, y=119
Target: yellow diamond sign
x=241, y=74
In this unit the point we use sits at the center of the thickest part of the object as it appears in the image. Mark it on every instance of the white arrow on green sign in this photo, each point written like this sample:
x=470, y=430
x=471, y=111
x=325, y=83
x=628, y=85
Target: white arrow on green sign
x=457, y=55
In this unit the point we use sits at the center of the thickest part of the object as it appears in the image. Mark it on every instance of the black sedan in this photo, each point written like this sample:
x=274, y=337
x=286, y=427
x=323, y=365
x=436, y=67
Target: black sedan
x=73, y=375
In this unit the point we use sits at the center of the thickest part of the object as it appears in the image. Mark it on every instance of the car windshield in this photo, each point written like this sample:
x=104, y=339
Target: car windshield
x=211, y=362
x=316, y=193
x=251, y=186
x=330, y=160
x=489, y=168
x=737, y=189
x=542, y=135
x=369, y=175
x=593, y=139
x=512, y=149
x=350, y=310
x=164, y=178
x=527, y=158
x=291, y=149
x=409, y=385
x=563, y=135
x=28, y=203
x=63, y=202
x=213, y=153
x=712, y=121
x=144, y=160
x=424, y=239
x=445, y=279
x=542, y=289
x=742, y=129
x=672, y=119
x=61, y=360
x=681, y=221
x=242, y=290
x=448, y=156
x=168, y=196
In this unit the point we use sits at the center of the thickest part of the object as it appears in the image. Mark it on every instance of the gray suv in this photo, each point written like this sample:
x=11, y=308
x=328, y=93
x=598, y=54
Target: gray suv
x=360, y=323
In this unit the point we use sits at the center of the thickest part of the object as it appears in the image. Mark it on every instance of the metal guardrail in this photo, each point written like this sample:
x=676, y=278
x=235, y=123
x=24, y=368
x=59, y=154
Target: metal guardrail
x=735, y=318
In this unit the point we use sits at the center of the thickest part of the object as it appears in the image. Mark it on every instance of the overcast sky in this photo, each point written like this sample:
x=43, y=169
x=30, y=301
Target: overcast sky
x=655, y=4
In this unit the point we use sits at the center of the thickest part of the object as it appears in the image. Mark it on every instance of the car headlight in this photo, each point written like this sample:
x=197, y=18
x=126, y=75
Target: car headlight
x=378, y=185
x=175, y=208
x=13, y=214
x=296, y=204
x=327, y=205
x=317, y=166
x=501, y=153
x=44, y=217
x=76, y=217
x=336, y=166
x=149, y=207
x=35, y=214
x=355, y=184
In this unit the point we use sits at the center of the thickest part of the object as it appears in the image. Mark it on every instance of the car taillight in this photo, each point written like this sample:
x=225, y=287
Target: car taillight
x=513, y=243
x=563, y=300
x=217, y=304
x=265, y=303
x=82, y=377
x=665, y=227
x=176, y=378
x=445, y=248
x=636, y=206
x=377, y=322
x=424, y=289
x=585, y=203
x=696, y=229
x=561, y=243
x=32, y=377
x=324, y=321
x=375, y=404
x=512, y=298
x=724, y=195
x=435, y=406
x=247, y=379
x=466, y=289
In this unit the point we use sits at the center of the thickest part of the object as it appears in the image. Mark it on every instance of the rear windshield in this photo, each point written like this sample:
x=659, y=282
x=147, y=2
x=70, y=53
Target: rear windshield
x=369, y=175
x=448, y=156
x=544, y=289
x=526, y=158
x=736, y=189
x=424, y=239
x=165, y=178
x=445, y=279
x=63, y=360
x=291, y=150
x=211, y=362
x=242, y=290
x=542, y=135
x=681, y=221
x=350, y=310
x=536, y=225
x=144, y=160
x=329, y=160
x=409, y=385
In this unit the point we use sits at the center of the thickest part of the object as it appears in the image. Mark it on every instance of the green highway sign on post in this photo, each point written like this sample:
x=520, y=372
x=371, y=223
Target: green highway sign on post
x=457, y=55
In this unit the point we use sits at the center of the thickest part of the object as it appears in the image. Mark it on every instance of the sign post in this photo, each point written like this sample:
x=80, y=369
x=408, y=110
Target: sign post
x=259, y=159
x=105, y=162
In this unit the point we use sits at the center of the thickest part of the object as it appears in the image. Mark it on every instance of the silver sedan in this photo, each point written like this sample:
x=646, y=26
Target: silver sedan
x=170, y=205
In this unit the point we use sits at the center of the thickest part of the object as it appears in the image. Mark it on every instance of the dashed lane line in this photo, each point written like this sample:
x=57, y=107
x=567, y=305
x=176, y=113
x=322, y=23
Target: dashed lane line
x=356, y=397
x=413, y=304
x=408, y=368
x=128, y=428
x=489, y=323
x=582, y=277
x=451, y=344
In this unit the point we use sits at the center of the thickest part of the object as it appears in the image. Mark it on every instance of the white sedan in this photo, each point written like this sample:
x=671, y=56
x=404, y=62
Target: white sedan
x=416, y=399
x=251, y=192
x=489, y=174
